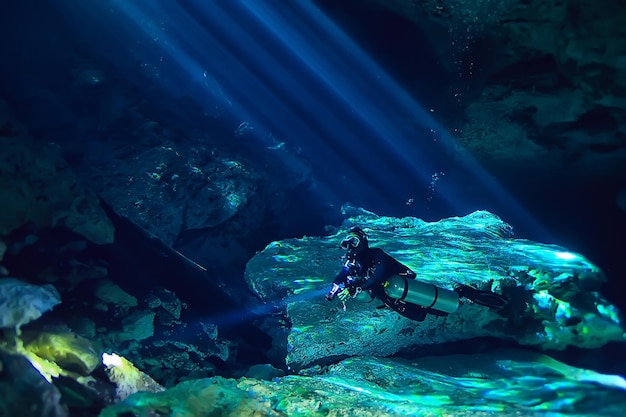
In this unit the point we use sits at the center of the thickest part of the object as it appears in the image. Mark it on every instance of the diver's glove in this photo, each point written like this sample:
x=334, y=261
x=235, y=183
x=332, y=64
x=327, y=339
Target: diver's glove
x=344, y=289
x=351, y=291
x=344, y=294
x=334, y=290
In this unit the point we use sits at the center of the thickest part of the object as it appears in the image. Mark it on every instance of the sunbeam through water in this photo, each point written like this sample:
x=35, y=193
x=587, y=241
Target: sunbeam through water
x=298, y=83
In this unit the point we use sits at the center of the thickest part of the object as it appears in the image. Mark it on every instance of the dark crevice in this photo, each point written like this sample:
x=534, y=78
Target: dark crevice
x=599, y=118
x=541, y=74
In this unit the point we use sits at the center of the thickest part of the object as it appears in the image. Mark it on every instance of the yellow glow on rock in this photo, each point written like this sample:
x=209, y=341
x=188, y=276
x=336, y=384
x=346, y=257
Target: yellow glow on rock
x=46, y=368
x=127, y=377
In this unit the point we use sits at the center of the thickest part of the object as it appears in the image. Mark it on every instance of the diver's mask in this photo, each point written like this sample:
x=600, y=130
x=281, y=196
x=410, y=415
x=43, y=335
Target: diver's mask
x=355, y=241
x=351, y=241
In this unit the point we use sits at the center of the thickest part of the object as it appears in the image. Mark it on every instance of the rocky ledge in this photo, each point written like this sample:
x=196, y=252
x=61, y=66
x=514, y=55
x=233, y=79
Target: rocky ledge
x=554, y=293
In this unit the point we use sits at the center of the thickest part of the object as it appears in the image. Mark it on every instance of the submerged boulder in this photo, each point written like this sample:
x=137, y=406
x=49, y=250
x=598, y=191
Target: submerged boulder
x=554, y=299
x=40, y=189
x=168, y=189
x=21, y=303
x=25, y=392
x=127, y=378
x=67, y=350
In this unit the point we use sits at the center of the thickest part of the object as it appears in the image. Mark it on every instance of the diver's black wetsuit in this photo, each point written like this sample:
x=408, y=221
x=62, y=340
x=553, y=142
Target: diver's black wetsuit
x=369, y=269
x=373, y=270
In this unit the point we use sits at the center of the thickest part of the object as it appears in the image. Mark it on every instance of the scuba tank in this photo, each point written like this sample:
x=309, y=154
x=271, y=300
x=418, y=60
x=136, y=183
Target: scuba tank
x=430, y=296
x=426, y=295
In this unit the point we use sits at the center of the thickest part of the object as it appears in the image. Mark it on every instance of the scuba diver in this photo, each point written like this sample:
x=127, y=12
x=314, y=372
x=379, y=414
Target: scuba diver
x=370, y=273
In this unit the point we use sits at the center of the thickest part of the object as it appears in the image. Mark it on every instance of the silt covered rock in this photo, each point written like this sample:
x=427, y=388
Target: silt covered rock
x=21, y=303
x=506, y=383
x=39, y=188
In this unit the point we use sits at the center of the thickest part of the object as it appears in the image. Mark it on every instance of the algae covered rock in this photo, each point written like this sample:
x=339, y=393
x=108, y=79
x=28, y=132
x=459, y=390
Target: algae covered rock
x=201, y=397
x=554, y=293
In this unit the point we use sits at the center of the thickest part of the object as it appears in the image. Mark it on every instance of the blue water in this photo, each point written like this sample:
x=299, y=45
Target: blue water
x=305, y=89
x=297, y=81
